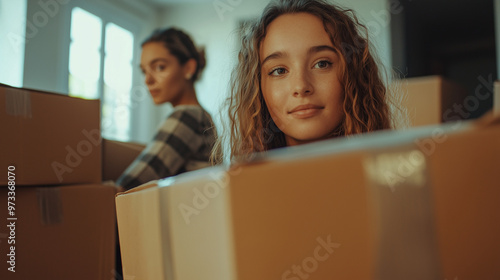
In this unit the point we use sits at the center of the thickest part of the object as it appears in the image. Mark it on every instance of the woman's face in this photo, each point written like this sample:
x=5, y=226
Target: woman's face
x=299, y=79
x=164, y=76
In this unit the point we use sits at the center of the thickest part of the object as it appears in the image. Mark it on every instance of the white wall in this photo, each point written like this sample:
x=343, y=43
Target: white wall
x=12, y=14
x=217, y=32
x=45, y=46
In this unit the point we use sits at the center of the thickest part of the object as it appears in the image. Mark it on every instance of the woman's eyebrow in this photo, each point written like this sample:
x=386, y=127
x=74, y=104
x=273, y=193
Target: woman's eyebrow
x=316, y=49
x=152, y=62
x=274, y=55
x=157, y=60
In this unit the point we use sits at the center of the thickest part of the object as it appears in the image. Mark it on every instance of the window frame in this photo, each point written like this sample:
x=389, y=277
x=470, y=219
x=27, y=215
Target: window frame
x=108, y=14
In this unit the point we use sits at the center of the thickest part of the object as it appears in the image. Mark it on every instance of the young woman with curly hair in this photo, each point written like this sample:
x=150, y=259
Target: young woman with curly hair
x=305, y=73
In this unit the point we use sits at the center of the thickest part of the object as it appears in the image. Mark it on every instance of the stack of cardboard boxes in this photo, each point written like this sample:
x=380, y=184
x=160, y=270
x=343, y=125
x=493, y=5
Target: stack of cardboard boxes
x=58, y=220
x=420, y=204
x=416, y=204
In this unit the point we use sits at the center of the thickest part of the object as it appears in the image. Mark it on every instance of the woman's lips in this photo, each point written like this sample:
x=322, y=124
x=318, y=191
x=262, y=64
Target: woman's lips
x=154, y=92
x=305, y=111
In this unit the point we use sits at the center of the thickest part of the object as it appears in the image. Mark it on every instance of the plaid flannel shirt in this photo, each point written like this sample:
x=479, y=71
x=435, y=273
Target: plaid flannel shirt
x=183, y=143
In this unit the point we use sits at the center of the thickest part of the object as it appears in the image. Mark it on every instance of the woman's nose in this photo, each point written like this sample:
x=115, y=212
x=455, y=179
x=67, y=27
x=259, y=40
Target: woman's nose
x=148, y=79
x=302, y=83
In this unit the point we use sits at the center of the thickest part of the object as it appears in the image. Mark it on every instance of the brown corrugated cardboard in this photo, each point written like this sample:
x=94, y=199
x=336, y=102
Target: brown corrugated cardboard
x=464, y=171
x=419, y=204
x=430, y=100
x=65, y=232
x=117, y=156
x=49, y=138
x=496, y=98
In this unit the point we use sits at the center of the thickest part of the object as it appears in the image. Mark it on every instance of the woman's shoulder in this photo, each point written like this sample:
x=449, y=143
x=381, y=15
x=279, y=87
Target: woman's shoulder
x=188, y=109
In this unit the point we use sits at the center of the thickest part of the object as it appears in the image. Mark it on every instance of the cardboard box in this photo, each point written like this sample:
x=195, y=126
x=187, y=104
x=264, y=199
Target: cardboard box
x=66, y=232
x=419, y=204
x=430, y=100
x=49, y=138
x=496, y=98
x=117, y=156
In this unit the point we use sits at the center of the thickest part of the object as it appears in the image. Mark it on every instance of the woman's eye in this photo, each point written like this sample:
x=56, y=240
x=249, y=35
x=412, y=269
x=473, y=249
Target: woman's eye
x=159, y=67
x=277, y=71
x=322, y=64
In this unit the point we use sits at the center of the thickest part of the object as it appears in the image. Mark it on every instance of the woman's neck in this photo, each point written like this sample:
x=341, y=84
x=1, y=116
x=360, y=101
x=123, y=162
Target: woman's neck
x=188, y=97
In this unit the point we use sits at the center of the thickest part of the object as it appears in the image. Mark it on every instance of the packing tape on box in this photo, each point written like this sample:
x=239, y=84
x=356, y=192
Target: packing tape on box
x=50, y=205
x=18, y=103
x=400, y=191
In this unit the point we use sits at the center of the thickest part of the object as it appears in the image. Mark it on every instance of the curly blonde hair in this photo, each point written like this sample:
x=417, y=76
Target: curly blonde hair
x=365, y=105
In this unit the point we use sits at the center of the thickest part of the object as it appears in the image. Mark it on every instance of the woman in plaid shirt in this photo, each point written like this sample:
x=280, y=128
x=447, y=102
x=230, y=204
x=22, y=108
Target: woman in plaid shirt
x=171, y=64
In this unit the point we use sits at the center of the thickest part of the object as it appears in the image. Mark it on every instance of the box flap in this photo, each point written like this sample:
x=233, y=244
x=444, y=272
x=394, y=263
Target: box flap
x=366, y=141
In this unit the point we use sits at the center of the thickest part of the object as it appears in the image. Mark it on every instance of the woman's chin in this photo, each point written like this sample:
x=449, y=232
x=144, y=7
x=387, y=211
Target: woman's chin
x=158, y=101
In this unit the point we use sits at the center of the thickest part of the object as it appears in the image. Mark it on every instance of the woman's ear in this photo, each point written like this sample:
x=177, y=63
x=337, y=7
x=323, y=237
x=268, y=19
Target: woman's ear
x=190, y=68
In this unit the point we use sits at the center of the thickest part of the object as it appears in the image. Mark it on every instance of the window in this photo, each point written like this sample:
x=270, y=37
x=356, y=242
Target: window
x=84, y=54
x=100, y=66
x=13, y=33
